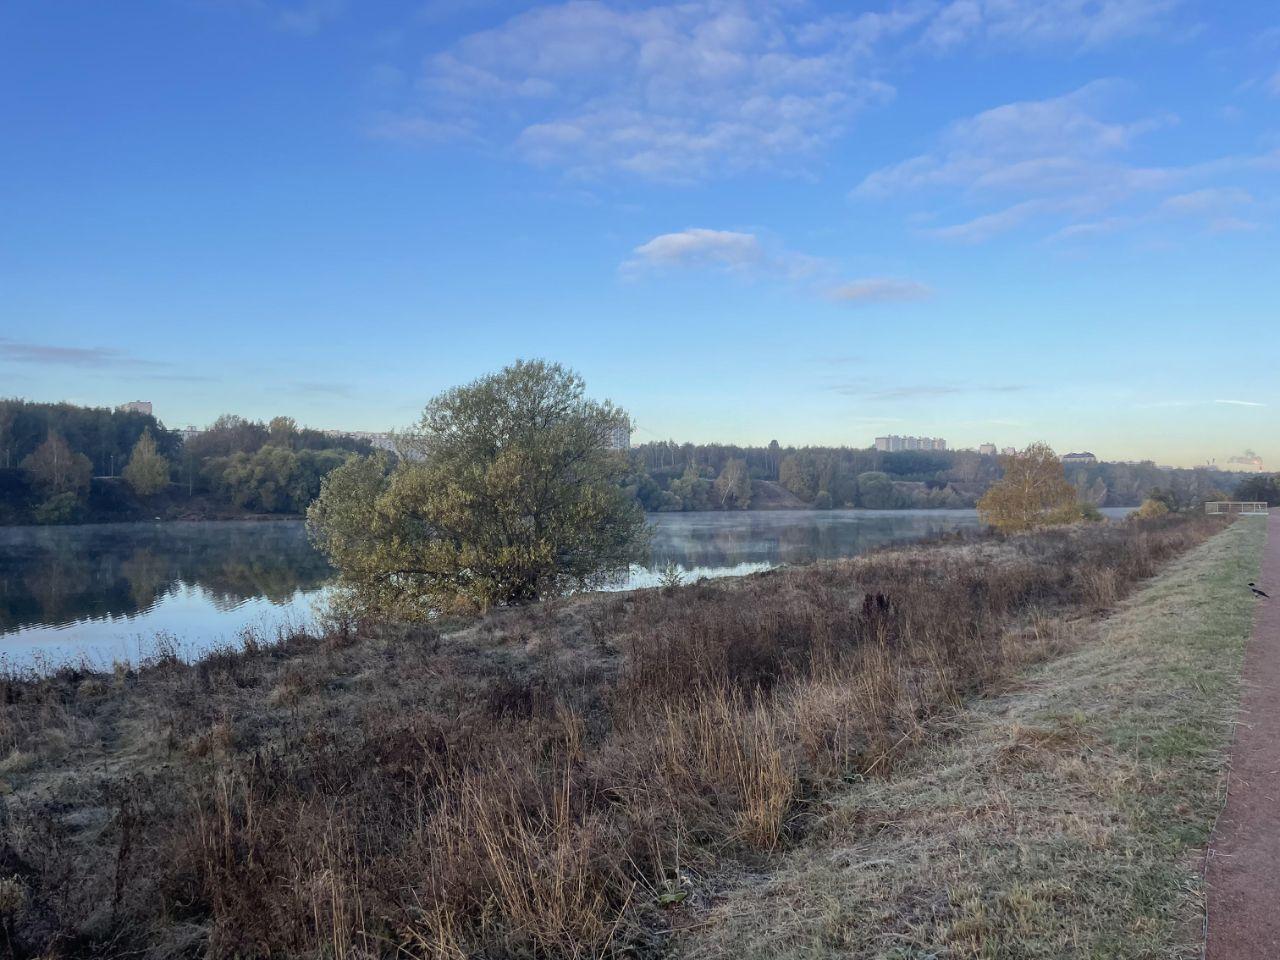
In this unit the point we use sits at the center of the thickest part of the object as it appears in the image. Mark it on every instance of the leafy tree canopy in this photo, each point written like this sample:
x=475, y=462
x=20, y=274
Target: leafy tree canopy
x=511, y=495
x=733, y=486
x=1262, y=488
x=147, y=472
x=1034, y=492
x=55, y=468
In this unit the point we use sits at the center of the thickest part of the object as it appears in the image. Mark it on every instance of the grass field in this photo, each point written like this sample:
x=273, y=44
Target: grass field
x=1065, y=818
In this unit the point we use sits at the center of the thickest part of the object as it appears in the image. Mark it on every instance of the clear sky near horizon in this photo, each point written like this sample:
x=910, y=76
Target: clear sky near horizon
x=1004, y=220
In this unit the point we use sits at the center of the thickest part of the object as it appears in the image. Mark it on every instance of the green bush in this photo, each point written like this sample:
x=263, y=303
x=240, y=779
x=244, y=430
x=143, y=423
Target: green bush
x=60, y=508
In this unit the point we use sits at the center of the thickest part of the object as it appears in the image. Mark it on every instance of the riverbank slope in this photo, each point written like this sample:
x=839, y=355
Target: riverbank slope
x=567, y=779
x=1066, y=817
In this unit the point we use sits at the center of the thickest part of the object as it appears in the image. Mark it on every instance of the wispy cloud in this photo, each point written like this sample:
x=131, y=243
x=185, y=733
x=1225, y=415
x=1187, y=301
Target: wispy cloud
x=317, y=388
x=1213, y=208
x=682, y=92
x=669, y=92
x=176, y=377
x=988, y=225
x=879, y=290
x=44, y=354
x=1042, y=162
x=421, y=128
x=873, y=390
x=1049, y=147
x=747, y=255
x=1160, y=404
x=1083, y=23
x=302, y=17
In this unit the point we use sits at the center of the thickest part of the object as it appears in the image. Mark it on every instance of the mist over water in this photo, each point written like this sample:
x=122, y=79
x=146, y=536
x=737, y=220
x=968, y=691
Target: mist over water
x=107, y=592
x=731, y=543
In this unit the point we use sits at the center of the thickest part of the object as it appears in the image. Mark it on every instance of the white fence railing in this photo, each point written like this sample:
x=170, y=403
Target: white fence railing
x=1243, y=507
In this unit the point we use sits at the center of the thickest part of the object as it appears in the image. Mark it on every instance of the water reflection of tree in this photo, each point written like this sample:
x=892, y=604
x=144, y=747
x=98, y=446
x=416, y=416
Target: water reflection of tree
x=57, y=575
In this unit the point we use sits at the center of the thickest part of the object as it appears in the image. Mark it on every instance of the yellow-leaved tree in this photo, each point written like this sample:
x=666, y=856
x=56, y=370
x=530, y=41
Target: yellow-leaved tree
x=147, y=471
x=1034, y=492
x=1151, y=509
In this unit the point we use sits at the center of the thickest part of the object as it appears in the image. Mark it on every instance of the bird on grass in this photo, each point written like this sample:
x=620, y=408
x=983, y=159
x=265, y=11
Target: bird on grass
x=1258, y=593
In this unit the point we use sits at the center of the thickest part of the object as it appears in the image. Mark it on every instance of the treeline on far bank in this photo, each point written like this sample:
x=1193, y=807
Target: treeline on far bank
x=672, y=476
x=62, y=463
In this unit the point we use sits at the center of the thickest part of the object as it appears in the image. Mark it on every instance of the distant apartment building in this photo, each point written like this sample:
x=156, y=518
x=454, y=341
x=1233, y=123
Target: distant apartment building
x=1079, y=459
x=987, y=449
x=894, y=443
x=1009, y=451
x=136, y=406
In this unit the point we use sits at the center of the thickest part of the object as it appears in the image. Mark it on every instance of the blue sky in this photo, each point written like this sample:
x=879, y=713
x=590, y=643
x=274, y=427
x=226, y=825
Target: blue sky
x=1004, y=220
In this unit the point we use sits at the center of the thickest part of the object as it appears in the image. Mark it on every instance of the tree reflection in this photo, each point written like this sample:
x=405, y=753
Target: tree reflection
x=52, y=576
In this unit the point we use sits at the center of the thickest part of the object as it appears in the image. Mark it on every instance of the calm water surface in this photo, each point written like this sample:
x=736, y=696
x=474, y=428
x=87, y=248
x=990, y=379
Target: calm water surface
x=107, y=592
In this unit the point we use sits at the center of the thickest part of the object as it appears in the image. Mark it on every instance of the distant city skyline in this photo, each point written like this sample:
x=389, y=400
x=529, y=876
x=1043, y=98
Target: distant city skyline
x=1032, y=220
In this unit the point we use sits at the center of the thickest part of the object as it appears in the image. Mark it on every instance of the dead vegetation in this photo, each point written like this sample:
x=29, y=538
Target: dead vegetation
x=554, y=781
x=1067, y=817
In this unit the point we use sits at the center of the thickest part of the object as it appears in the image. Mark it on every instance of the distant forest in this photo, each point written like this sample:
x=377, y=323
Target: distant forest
x=61, y=463
x=673, y=476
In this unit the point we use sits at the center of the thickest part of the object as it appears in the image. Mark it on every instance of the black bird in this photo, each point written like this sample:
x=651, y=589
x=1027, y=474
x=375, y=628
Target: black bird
x=1257, y=592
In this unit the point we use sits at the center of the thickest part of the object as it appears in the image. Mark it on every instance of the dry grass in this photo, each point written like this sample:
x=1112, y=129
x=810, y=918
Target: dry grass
x=1067, y=818
x=564, y=780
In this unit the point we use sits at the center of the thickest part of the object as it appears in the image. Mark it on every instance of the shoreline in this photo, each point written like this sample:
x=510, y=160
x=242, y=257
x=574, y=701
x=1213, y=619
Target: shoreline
x=298, y=517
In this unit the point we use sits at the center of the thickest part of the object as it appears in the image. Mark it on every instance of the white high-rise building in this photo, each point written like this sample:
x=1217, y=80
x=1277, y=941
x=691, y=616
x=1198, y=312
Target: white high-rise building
x=894, y=443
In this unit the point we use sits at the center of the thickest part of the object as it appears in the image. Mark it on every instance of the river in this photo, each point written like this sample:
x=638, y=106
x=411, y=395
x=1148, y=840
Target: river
x=116, y=592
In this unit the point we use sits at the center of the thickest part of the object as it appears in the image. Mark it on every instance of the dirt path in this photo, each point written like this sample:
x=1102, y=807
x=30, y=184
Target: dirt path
x=1244, y=854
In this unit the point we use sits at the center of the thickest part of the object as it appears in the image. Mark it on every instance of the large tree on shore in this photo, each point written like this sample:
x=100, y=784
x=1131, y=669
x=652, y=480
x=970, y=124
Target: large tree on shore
x=734, y=484
x=1033, y=492
x=54, y=468
x=507, y=492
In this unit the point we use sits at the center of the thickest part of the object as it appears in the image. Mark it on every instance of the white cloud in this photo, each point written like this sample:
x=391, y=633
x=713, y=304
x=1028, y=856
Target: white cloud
x=700, y=247
x=878, y=290
x=746, y=255
x=1241, y=403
